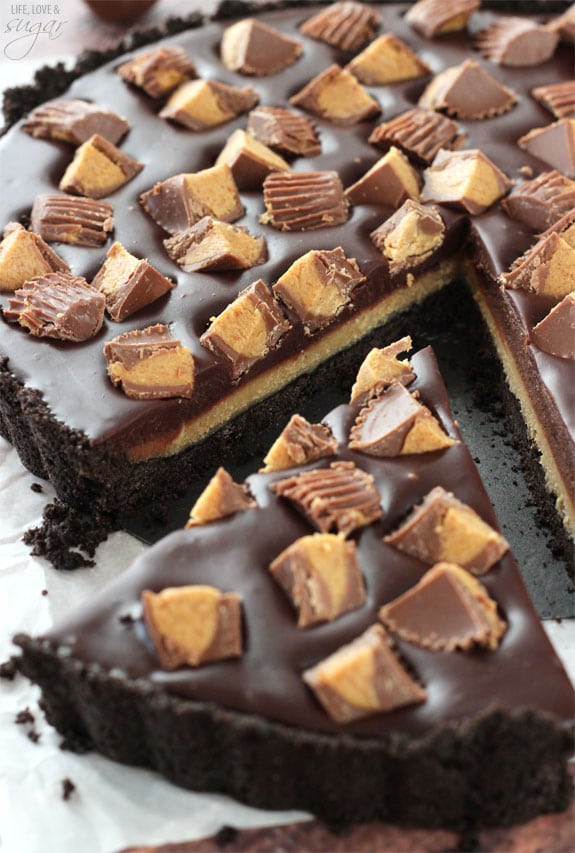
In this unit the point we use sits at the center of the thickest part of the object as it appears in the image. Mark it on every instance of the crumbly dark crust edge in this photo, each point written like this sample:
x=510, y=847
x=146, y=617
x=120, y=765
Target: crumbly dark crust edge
x=495, y=769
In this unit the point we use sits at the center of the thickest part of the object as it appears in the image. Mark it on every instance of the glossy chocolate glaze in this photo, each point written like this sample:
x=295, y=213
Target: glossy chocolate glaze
x=234, y=554
x=62, y=372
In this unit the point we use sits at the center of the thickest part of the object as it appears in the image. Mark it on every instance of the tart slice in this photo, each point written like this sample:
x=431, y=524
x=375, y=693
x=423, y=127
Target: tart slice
x=311, y=651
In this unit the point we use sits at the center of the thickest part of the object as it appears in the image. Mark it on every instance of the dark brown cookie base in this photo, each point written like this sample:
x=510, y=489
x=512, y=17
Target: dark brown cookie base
x=440, y=780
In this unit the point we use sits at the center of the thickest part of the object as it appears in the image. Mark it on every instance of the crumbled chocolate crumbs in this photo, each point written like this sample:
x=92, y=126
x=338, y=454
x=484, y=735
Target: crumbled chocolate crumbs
x=226, y=835
x=33, y=736
x=24, y=717
x=36, y=487
x=68, y=789
x=44, y=592
x=8, y=669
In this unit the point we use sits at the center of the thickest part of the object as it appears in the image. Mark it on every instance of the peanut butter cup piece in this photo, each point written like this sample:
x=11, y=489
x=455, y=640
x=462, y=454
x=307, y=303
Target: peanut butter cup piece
x=304, y=201
x=547, y=267
x=564, y=25
x=284, y=131
x=98, y=169
x=395, y=423
x=57, y=305
x=336, y=95
x=380, y=368
x=442, y=528
x=516, y=42
x=321, y=577
x=555, y=334
x=420, y=134
x=250, y=161
x=159, y=71
x=221, y=498
x=318, y=286
x=214, y=245
x=468, y=180
x=75, y=121
x=201, y=104
x=341, y=498
x=24, y=255
x=247, y=329
x=541, y=202
x=128, y=283
x=362, y=678
x=182, y=200
x=62, y=218
x=193, y=625
x=300, y=443
x=345, y=25
x=410, y=236
x=554, y=144
x=558, y=98
x=254, y=48
x=390, y=182
x=448, y=609
x=149, y=364
x=435, y=17
x=387, y=60
x=467, y=91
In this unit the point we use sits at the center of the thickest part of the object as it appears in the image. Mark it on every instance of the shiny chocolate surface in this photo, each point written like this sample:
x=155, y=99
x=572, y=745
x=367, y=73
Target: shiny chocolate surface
x=63, y=372
x=234, y=554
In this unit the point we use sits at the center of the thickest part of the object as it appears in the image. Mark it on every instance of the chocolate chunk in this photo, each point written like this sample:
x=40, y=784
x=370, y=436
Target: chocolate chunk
x=558, y=98
x=336, y=95
x=75, y=121
x=24, y=255
x=419, y=133
x=214, y=245
x=250, y=160
x=394, y=424
x=300, y=443
x=247, y=329
x=304, y=201
x=435, y=17
x=179, y=202
x=410, y=236
x=387, y=60
x=149, y=364
x=321, y=576
x=61, y=218
x=193, y=625
x=555, y=334
x=57, y=305
x=318, y=286
x=68, y=789
x=341, y=497
x=128, y=283
x=159, y=71
x=345, y=25
x=448, y=609
x=98, y=169
x=541, y=202
x=252, y=47
x=444, y=528
x=467, y=91
x=554, y=144
x=389, y=182
x=201, y=104
x=362, y=678
x=380, y=368
x=221, y=498
x=516, y=42
x=546, y=268
x=284, y=130
x=464, y=179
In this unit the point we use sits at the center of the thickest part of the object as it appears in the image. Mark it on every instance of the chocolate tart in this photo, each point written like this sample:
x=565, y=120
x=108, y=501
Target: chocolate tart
x=488, y=745
x=113, y=456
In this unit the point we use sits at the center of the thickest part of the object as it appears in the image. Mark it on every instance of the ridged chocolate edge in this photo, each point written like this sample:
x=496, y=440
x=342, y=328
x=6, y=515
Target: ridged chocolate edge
x=498, y=768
